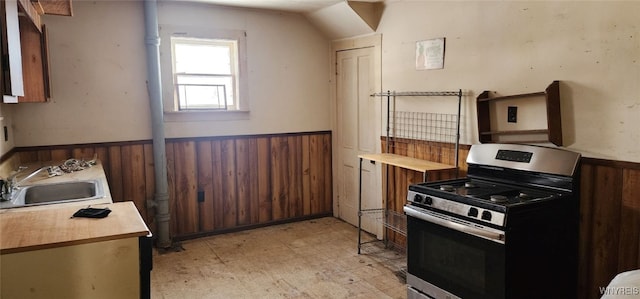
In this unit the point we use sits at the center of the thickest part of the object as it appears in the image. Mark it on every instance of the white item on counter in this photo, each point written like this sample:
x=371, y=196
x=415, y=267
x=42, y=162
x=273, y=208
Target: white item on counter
x=625, y=285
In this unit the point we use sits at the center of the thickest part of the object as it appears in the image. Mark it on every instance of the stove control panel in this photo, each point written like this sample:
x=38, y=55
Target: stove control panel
x=457, y=208
x=423, y=199
x=514, y=156
x=525, y=157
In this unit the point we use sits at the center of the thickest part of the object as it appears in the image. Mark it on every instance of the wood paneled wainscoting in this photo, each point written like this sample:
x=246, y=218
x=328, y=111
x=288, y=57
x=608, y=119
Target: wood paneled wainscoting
x=216, y=184
x=400, y=178
x=609, y=222
x=609, y=212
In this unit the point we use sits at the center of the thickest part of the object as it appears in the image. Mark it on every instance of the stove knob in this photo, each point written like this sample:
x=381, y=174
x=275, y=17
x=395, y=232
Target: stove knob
x=428, y=200
x=486, y=215
x=417, y=198
x=473, y=212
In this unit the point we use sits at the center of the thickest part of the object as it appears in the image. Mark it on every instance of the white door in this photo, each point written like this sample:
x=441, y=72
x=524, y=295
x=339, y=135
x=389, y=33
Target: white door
x=356, y=125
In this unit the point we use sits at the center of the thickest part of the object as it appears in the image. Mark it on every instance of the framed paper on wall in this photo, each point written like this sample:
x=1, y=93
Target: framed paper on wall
x=430, y=54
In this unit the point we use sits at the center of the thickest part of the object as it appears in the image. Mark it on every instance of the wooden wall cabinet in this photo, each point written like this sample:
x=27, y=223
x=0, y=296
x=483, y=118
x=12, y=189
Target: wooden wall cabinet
x=488, y=133
x=25, y=74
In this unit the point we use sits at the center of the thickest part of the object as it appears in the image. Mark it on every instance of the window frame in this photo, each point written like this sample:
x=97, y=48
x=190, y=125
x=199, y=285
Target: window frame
x=171, y=107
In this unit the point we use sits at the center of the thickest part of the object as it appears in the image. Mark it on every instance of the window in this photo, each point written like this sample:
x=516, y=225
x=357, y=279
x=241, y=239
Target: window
x=198, y=85
x=205, y=73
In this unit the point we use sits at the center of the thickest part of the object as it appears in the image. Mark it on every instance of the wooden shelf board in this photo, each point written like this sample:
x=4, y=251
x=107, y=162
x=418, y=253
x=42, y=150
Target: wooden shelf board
x=56, y=7
x=407, y=162
x=520, y=141
x=31, y=13
x=516, y=132
x=524, y=95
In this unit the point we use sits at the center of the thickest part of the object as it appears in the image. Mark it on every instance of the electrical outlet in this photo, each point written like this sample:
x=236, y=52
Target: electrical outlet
x=512, y=114
x=200, y=196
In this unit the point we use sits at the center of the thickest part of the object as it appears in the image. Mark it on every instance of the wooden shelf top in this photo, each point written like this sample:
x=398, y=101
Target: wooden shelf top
x=516, y=132
x=51, y=228
x=407, y=162
x=515, y=96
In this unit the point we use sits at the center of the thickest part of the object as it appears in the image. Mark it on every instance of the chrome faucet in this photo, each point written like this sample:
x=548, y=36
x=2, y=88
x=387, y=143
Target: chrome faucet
x=11, y=184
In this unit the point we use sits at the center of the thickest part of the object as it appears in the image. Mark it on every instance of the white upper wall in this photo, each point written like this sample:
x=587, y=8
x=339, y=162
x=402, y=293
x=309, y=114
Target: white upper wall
x=99, y=90
x=98, y=79
x=98, y=75
x=516, y=47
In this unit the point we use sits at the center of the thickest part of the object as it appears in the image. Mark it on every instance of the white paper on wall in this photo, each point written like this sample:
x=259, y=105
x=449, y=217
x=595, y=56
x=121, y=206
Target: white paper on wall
x=430, y=54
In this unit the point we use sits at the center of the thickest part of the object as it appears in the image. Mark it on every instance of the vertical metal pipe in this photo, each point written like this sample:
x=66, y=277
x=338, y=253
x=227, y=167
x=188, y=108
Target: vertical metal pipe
x=161, y=197
x=388, y=114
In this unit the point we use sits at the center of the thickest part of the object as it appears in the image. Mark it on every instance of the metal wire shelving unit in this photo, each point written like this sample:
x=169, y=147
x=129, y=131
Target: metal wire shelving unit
x=415, y=129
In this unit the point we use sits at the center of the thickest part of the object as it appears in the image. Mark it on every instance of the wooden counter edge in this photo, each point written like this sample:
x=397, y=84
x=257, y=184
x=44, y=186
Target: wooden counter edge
x=140, y=230
x=71, y=243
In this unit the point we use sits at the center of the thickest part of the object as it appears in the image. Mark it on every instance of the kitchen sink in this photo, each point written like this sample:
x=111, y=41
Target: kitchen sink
x=60, y=192
x=55, y=193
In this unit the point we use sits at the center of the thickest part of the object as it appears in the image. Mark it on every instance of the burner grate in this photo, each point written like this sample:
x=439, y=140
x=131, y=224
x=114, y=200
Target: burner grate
x=491, y=193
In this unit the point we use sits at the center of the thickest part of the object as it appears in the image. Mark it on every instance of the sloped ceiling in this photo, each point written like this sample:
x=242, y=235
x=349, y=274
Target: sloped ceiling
x=337, y=19
x=347, y=19
x=299, y=6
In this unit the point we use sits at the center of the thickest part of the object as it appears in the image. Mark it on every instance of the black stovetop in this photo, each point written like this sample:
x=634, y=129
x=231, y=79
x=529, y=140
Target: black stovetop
x=488, y=192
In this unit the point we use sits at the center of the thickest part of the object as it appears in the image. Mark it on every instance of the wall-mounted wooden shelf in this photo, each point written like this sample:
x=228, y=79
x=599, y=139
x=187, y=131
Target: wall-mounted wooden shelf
x=553, y=131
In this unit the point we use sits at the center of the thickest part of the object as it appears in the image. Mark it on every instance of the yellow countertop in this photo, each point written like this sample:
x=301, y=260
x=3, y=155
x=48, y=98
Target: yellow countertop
x=54, y=227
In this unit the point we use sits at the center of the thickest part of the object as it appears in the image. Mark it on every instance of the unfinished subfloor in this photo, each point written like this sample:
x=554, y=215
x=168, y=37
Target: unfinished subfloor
x=309, y=259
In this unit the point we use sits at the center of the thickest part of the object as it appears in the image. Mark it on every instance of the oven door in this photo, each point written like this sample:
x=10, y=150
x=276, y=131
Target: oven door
x=448, y=256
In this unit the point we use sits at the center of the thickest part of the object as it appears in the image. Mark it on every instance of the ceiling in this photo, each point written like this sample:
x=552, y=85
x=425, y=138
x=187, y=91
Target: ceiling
x=337, y=19
x=299, y=6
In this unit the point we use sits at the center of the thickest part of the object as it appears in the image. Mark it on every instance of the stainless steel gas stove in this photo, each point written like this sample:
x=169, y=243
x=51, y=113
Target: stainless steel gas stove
x=507, y=230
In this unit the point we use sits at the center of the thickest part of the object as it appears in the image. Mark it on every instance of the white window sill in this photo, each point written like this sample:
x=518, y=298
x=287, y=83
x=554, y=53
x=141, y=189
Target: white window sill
x=200, y=116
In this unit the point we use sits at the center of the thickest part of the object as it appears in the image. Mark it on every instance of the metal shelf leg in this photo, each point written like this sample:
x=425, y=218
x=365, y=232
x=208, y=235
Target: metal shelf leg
x=359, y=205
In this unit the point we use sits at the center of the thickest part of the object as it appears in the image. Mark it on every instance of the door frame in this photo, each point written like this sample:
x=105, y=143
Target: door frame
x=370, y=41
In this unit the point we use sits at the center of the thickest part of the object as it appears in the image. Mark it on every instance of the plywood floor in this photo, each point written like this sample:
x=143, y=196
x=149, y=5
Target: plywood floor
x=309, y=259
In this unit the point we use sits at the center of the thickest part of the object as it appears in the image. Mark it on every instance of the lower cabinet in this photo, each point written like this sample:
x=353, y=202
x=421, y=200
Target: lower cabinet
x=107, y=269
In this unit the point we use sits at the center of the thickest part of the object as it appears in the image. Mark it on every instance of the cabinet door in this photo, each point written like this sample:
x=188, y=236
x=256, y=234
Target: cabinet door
x=11, y=53
x=3, y=46
x=106, y=269
x=34, y=62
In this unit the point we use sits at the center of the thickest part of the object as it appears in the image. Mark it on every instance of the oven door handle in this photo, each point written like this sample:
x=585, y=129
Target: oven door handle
x=446, y=221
